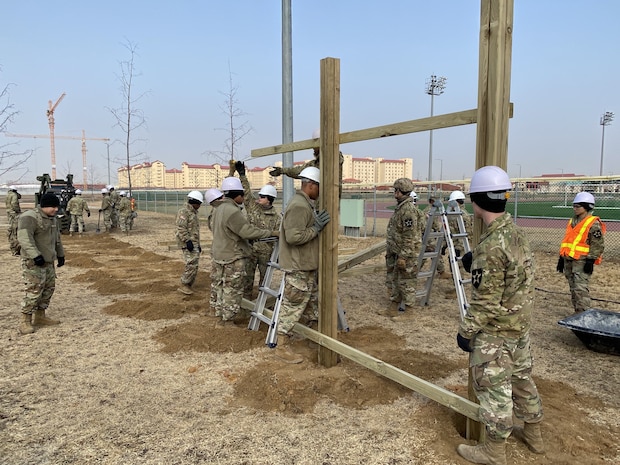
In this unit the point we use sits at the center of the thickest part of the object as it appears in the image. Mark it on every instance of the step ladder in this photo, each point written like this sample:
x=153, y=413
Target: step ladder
x=265, y=291
x=444, y=238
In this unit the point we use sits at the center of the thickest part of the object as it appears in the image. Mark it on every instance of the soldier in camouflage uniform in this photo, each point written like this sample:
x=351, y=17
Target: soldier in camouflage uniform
x=456, y=202
x=13, y=211
x=581, y=249
x=188, y=239
x=76, y=207
x=299, y=259
x=115, y=200
x=403, y=244
x=231, y=249
x=495, y=331
x=124, y=212
x=214, y=198
x=106, y=208
x=261, y=214
x=39, y=238
x=436, y=227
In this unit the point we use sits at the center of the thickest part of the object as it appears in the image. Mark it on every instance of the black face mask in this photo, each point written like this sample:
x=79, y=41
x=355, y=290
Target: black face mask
x=491, y=205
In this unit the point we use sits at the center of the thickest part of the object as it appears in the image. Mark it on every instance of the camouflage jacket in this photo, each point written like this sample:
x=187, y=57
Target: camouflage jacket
x=404, y=234
x=115, y=198
x=502, y=283
x=106, y=202
x=299, y=241
x=77, y=205
x=38, y=234
x=468, y=222
x=124, y=205
x=259, y=216
x=188, y=227
x=12, y=202
x=231, y=233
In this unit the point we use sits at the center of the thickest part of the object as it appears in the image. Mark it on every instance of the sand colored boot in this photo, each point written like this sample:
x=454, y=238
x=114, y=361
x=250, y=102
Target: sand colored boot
x=488, y=453
x=531, y=436
x=25, y=326
x=185, y=289
x=41, y=320
x=283, y=352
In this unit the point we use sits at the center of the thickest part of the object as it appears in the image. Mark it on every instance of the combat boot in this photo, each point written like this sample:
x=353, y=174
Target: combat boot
x=185, y=289
x=531, y=436
x=488, y=453
x=41, y=320
x=26, y=325
x=283, y=352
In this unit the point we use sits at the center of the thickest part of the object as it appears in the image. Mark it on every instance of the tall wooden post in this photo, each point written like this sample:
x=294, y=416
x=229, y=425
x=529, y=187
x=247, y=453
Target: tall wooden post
x=495, y=61
x=329, y=200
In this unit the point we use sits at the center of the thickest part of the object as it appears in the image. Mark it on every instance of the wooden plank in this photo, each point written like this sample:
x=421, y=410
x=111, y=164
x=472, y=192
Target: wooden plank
x=329, y=200
x=361, y=256
x=361, y=270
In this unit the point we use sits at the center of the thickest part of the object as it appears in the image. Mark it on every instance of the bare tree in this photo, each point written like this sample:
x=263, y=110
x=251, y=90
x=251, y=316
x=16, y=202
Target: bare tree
x=11, y=162
x=236, y=130
x=128, y=117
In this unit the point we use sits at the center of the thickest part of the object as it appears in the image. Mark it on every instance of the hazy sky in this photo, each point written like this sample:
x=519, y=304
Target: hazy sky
x=565, y=73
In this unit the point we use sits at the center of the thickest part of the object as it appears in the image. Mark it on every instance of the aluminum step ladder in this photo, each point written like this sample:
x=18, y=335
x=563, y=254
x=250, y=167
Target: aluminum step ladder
x=265, y=291
x=444, y=238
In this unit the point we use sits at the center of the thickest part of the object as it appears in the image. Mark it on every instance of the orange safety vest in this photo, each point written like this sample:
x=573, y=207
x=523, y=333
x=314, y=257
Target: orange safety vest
x=574, y=243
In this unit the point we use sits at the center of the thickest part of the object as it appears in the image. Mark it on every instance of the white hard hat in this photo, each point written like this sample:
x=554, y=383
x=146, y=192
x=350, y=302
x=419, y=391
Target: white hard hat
x=78, y=192
x=269, y=190
x=312, y=173
x=12, y=188
x=110, y=187
x=212, y=194
x=490, y=179
x=584, y=197
x=316, y=133
x=122, y=193
x=413, y=195
x=104, y=191
x=196, y=195
x=231, y=184
x=457, y=195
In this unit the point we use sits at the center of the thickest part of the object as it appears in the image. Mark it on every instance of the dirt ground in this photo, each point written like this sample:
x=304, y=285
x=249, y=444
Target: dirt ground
x=137, y=373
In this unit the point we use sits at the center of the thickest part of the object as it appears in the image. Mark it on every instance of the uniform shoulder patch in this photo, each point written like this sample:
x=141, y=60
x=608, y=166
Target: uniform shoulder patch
x=476, y=277
x=597, y=234
x=408, y=222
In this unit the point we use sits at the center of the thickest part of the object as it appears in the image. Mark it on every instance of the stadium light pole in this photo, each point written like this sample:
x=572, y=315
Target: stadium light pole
x=435, y=85
x=606, y=120
x=441, y=168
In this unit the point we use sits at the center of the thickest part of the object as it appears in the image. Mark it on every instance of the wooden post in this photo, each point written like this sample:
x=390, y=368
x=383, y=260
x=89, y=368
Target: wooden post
x=329, y=200
x=494, y=68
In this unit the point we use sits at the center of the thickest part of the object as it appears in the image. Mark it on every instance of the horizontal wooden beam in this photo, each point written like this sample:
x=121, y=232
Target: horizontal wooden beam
x=361, y=256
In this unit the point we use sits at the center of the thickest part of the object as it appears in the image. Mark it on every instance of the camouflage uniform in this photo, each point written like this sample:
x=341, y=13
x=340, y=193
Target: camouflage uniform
x=498, y=323
x=188, y=229
x=115, y=199
x=106, y=208
x=76, y=207
x=579, y=280
x=124, y=213
x=216, y=277
x=38, y=234
x=404, y=240
x=468, y=221
x=13, y=211
x=436, y=227
x=299, y=259
x=264, y=218
x=230, y=250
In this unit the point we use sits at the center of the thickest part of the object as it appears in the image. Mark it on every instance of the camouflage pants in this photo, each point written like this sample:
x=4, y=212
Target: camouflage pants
x=256, y=260
x=579, y=283
x=440, y=265
x=401, y=283
x=107, y=219
x=77, y=223
x=229, y=289
x=300, y=302
x=40, y=283
x=114, y=217
x=502, y=380
x=191, y=260
x=217, y=271
x=11, y=232
x=124, y=221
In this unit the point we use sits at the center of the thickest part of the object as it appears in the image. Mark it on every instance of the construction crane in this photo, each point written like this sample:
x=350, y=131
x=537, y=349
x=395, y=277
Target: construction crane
x=83, y=139
x=50, y=117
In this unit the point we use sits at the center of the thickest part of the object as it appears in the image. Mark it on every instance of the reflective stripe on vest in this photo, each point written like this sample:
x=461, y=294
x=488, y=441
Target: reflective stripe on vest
x=574, y=243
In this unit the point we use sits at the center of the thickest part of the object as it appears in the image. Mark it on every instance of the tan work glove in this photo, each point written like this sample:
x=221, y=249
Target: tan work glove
x=401, y=264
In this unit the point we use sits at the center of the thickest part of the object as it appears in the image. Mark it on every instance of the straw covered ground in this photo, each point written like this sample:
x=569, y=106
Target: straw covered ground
x=137, y=373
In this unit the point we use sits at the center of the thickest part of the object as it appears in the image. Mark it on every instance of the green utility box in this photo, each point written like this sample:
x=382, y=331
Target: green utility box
x=352, y=216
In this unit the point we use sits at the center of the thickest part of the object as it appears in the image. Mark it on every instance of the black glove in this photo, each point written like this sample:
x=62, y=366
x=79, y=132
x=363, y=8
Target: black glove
x=276, y=171
x=39, y=260
x=189, y=245
x=560, y=267
x=467, y=259
x=464, y=344
x=457, y=252
x=321, y=219
x=589, y=266
x=240, y=167
x=100, y=210
x=88, y=214
x=443, y=250
x=199, y=249
x=61, y=261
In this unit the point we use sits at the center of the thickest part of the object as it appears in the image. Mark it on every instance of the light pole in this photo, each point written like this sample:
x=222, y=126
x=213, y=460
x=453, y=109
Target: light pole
x=606, y=120
x=518, y=183
x=435, y=85
x=441, y=168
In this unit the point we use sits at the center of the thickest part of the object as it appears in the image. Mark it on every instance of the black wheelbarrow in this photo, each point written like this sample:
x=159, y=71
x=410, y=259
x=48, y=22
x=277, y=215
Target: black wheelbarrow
x=599, y=330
